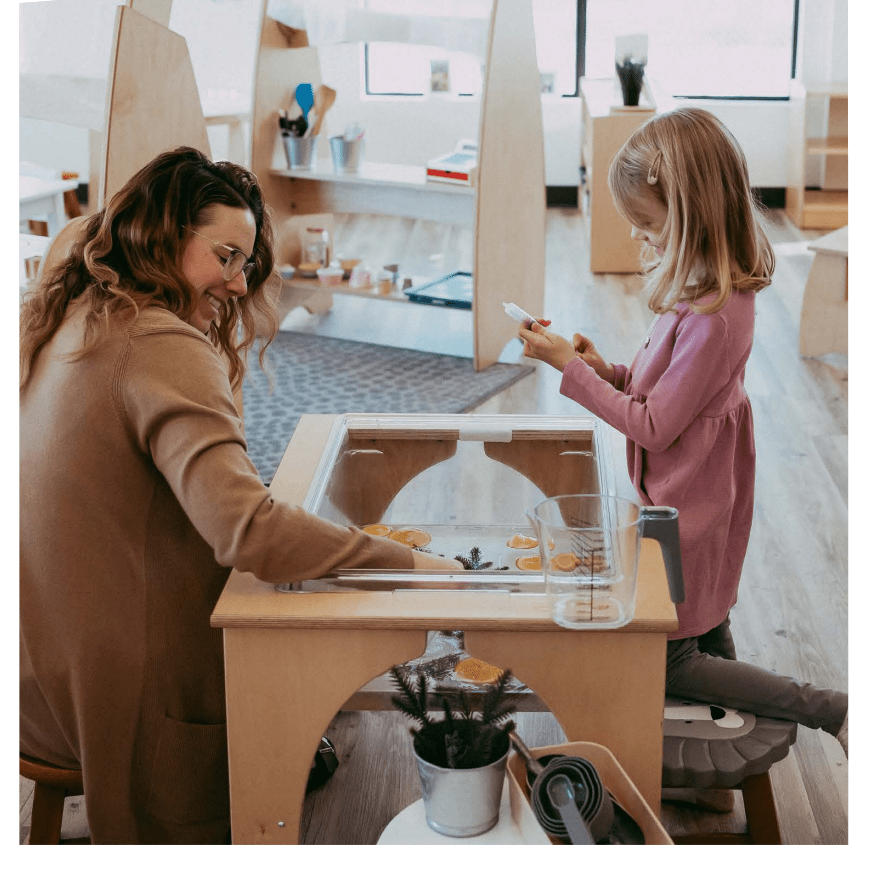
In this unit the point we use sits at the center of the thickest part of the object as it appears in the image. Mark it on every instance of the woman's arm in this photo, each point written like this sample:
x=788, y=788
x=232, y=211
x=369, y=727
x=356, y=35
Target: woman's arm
x=176, y=395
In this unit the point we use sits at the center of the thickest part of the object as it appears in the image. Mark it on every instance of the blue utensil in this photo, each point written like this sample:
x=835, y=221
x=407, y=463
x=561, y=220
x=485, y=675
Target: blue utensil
x=305, y=98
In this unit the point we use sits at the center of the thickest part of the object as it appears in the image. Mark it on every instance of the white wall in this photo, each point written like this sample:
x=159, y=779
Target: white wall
x=411, y=131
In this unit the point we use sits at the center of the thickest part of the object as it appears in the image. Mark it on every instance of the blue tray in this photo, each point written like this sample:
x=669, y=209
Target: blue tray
x=453, y=290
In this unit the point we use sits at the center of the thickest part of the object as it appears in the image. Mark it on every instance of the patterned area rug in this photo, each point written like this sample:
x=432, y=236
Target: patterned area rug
x=312, y=374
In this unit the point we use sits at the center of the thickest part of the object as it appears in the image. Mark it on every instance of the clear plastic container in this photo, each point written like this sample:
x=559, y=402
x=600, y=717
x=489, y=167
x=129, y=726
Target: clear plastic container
x=315, y=247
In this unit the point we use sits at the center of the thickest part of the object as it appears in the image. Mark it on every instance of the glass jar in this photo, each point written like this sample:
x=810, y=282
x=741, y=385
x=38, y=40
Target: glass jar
x=315, y=247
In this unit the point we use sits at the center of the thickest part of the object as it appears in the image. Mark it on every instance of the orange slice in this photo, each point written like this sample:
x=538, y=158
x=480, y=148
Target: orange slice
x=529, y=563
x=411, y=536
x=377, y=530
x=521, y=541
x=564, y=561
x=477, y=671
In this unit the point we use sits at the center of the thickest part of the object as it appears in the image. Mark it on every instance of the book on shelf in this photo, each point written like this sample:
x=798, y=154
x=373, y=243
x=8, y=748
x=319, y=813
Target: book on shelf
x=458, y=167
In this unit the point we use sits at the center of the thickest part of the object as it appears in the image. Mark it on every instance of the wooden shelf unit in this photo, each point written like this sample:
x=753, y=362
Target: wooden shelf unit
x=825, y=206
x=606, y=125
x=508, y=203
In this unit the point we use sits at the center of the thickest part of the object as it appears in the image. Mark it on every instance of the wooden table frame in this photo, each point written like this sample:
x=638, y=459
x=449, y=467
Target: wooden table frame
x=294, y=659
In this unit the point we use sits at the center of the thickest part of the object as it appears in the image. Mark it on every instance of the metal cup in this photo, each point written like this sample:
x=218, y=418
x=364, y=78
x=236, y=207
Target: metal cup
x=301, y=152
x=462, y=802
x=346, y=154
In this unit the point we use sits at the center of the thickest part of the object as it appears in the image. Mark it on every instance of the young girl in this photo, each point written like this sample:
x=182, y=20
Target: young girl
x=681, y=180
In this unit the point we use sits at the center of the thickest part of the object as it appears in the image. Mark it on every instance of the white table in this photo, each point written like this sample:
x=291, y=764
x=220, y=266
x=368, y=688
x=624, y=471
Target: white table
x=410, y=827
x=43, y=198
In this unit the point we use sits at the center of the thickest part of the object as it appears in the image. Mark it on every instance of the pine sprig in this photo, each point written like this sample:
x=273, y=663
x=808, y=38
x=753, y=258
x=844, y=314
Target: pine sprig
x=412, y=700
x=495, y=707
x=460, y=739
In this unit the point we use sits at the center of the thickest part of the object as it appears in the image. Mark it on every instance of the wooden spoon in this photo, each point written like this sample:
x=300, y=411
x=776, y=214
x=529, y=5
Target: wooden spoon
x=324, y=97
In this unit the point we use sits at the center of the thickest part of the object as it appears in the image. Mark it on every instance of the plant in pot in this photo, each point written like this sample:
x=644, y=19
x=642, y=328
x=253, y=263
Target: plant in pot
x=461, y=757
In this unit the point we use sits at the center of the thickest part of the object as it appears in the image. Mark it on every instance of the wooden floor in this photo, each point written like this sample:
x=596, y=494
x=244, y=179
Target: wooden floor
x=792, y=614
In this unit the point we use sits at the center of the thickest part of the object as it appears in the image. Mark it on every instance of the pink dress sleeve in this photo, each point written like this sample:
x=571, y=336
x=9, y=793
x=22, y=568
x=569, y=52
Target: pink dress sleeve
x=698, y=369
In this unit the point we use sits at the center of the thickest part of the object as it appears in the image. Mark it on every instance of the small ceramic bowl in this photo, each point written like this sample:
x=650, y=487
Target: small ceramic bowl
x=308, y=269
x=330, y=275
x=286, y=271
x=347, y=265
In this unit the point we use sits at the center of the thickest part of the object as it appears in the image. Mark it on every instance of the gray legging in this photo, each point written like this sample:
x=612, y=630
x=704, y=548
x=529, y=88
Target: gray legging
x=706, y=669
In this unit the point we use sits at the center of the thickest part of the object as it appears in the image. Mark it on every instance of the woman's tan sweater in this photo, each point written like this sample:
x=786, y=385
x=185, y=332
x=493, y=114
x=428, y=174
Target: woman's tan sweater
x=137, y=496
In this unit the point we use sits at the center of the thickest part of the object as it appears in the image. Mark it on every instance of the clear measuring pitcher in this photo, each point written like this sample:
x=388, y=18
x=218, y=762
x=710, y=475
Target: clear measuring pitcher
x=589, y=551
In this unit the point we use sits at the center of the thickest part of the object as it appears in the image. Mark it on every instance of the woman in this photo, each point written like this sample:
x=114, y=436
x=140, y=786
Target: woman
x=137, y=497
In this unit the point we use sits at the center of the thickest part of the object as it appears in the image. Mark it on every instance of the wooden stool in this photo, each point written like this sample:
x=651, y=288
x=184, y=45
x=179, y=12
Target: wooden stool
x=53, y=785
x=709, y=747
x=824, y=323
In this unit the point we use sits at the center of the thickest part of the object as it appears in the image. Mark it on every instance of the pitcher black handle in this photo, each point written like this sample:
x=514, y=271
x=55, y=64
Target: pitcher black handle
x=661, y=523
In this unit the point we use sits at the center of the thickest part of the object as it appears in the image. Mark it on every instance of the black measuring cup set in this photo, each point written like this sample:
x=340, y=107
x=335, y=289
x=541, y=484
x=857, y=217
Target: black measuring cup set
x=570, y=801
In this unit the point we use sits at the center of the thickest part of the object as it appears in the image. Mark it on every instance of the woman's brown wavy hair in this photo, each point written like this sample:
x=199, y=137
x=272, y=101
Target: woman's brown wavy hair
x=128, y=256
x=714, y=239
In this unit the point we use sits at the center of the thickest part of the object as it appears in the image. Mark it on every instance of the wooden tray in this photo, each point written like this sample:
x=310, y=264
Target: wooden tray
x=612, y=776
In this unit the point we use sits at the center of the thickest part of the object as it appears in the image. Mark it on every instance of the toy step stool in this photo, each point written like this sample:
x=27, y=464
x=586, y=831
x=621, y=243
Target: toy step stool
x=710, y=747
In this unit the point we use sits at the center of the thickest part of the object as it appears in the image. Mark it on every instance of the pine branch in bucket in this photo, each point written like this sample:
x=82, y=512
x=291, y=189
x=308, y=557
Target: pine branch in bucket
x=461, y=739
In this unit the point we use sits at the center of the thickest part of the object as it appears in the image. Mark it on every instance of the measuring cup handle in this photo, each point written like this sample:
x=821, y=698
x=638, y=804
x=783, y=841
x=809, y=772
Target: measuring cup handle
x=661, y=523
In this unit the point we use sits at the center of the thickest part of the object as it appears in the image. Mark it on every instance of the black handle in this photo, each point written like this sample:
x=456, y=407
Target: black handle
x=661, y=523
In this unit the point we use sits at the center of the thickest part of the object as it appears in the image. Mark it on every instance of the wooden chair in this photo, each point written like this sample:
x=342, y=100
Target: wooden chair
x=713, y=751
x=52, y=787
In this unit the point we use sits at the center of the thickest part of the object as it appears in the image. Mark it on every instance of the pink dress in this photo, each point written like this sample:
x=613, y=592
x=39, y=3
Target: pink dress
x=689, y=442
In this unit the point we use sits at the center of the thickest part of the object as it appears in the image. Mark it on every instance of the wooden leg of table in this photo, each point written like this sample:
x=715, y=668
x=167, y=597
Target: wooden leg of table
x=824, y=315
x=283, y=688
x=607, y=688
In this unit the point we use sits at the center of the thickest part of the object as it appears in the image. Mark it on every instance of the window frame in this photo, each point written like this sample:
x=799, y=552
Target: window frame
x=580, y=67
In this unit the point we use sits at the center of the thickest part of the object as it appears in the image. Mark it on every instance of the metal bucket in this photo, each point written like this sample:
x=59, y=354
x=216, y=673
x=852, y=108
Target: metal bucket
x=346, y=154
x=462, y=802
x=301, y=152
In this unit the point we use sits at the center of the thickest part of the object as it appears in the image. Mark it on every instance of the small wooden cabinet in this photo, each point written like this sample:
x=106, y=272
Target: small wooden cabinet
x=606, y=126
x=818, y=201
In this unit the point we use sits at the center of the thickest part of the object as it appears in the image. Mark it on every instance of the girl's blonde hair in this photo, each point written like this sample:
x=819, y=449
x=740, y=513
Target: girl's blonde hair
x=713, y=238
x=128, y=256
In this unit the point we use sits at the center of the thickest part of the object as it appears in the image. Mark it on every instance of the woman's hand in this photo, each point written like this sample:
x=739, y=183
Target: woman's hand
x=426, y=561
x=584, y=347
x=545, y=346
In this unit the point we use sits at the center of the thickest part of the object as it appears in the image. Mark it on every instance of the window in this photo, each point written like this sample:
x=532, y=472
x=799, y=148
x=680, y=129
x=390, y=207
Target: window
x=696, y=48
x=415, y=69
x=700, y=48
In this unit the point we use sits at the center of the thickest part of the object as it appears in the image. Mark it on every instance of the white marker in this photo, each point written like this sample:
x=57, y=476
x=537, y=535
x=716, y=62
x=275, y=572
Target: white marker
x=519, y=314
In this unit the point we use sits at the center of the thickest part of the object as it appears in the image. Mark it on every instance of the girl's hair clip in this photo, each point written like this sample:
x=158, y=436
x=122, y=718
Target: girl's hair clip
x=653, y=175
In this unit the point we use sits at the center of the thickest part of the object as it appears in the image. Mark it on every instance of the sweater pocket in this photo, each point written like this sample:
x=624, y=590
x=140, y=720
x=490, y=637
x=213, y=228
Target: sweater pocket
x=190, y=773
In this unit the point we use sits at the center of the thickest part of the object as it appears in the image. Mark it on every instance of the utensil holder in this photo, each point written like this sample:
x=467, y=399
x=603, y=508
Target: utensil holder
x=301, y=152
x=346, y=154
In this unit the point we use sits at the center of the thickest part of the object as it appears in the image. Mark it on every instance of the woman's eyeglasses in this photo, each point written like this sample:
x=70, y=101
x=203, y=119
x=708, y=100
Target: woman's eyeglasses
x=236, y=263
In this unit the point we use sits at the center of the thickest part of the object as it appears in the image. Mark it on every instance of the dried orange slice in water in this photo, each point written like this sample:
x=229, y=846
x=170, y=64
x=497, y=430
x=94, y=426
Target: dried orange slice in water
x=564, y=561
x=477, y=671
x=411, y=536
x=529, y=563
x=521, y=541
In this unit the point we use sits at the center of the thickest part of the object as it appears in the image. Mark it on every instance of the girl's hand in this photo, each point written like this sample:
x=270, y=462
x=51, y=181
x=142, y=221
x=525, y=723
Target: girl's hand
x=427, y=561
x=545, y=346
x=587, y=351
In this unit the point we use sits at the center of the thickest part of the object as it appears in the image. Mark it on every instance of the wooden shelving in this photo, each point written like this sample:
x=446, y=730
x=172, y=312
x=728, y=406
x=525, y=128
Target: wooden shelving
x=506, y=205
x=823, y=201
